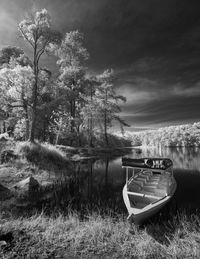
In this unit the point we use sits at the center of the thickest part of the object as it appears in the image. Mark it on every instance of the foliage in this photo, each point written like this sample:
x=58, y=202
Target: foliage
x=16, y=82
x=8, y=53
x=20, y=129
x=36, y=30
x=71, y=58
x=182, y=135
x=69, y=104
x=108, y=102
x=43, y=155
x=71, y=52
x=114, y=141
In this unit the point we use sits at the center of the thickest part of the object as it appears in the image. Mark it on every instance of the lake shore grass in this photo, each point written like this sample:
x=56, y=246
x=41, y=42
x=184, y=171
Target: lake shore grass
x=92, y=235
x=99, y=236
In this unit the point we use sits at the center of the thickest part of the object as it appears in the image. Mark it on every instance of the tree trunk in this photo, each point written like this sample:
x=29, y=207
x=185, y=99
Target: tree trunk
x=44, y=131
x=106, y=178
x=90, y=132
x=79, y=136
x=58, y=133
x=4, y=126
x=35, y=95
x=105, y=119
x=105, y=129
x=27, y=124
x=72, y=113
x=90, y=121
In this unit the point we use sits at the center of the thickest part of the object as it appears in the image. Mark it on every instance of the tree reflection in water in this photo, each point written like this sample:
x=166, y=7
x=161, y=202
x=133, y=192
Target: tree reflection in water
x=103, y=179
x=183, y=158
x=96, y=185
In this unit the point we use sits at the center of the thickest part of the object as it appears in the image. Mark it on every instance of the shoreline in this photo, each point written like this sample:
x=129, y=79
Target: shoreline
x=153, y=147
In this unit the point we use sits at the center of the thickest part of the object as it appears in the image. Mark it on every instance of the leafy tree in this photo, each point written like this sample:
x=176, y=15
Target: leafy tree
x=8, y=53
x=108, y=102
x=37, y=32
x=89, y=112
x=39, y=104
x=71, y=59
x=16, y=82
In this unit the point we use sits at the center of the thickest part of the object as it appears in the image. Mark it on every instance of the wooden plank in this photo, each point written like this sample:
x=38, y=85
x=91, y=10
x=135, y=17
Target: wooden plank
x=143, y=195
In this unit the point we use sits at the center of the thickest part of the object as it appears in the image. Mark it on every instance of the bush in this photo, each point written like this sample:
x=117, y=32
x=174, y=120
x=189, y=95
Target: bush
x=113, y=141
x=7, y=156
x=43, y=155
x=20, y=129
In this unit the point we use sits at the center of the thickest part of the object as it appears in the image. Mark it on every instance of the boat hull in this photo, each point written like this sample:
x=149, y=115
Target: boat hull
x=138, y=216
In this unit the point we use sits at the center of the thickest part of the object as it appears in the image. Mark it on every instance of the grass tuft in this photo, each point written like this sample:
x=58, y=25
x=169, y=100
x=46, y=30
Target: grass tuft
x=45, y=156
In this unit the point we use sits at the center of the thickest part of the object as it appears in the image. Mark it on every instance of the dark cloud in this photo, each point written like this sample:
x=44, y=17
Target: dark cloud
x=154, y=47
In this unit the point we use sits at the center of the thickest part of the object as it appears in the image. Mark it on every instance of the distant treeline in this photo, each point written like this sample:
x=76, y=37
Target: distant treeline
x=182, y=135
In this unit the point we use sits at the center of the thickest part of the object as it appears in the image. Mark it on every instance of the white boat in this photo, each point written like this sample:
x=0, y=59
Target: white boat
x=149, y=188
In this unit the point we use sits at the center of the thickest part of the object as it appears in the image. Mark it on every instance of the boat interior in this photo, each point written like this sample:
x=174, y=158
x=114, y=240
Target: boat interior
x=148, y=186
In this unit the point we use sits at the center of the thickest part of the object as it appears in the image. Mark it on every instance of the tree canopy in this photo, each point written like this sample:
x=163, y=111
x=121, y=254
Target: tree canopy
x=67, y=105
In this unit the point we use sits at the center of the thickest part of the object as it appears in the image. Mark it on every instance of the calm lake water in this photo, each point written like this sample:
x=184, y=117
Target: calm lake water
x=98, y=183
x=101, y=182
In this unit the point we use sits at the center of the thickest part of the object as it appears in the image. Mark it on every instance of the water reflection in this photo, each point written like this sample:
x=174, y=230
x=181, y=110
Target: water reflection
x=103, y=184
x=102, y=180
x=183, y=158
x=97, y=184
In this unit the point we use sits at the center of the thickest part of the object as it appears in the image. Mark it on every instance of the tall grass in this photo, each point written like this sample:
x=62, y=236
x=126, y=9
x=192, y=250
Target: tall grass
x=45, y=156
x=99, y=237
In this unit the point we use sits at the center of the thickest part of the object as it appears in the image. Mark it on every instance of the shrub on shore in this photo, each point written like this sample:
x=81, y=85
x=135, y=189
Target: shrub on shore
x=45, y=156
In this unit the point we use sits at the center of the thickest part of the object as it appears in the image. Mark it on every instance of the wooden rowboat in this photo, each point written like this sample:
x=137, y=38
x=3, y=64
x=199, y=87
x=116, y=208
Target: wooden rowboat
x=149, y=188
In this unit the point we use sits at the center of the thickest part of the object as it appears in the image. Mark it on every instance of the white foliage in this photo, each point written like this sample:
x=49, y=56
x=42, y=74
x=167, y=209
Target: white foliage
x=35, y=29
x=18, y=81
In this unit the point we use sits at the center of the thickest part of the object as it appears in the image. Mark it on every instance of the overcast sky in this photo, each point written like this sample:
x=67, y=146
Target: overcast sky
x=153, y=46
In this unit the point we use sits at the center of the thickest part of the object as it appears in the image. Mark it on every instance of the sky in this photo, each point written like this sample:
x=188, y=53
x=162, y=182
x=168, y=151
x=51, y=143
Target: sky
x=152, y=45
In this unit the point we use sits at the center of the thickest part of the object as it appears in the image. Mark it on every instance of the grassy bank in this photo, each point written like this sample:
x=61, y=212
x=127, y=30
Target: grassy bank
x=99, y=237
x=84, y=234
